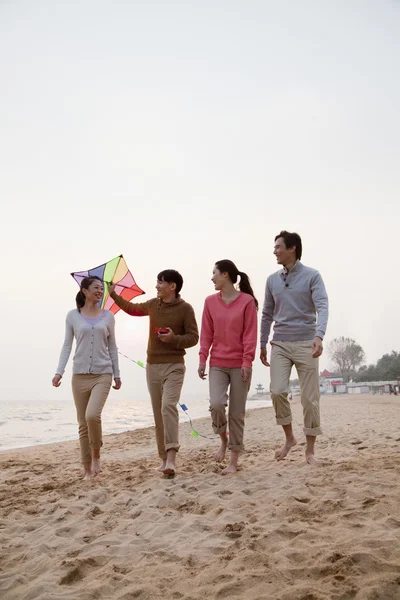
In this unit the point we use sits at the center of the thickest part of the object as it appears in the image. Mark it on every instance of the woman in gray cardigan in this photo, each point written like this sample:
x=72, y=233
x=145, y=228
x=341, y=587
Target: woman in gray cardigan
x=94, y=364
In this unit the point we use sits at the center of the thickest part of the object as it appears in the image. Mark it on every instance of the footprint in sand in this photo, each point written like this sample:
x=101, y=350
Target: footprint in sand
x=93, y=512
x=224, y=493
x=234, y=530
x=71, y=577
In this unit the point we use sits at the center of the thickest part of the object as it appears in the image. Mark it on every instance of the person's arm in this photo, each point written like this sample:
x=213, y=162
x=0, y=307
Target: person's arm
x=137, y=309
x=206, y=335
x=320, y=300
x=249, y=335
x=112, y=348
x=267, y=316
x=67, y=347
x=191, y=335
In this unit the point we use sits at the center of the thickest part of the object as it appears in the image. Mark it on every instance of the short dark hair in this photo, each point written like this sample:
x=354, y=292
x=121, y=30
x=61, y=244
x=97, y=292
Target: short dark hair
x=292, y=239
x=172, y=276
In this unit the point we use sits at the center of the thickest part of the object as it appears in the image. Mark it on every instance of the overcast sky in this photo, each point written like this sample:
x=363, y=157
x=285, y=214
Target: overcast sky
x=181, y=133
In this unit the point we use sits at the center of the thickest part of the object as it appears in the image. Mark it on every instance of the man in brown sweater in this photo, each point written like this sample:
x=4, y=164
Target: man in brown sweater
x=165, y=368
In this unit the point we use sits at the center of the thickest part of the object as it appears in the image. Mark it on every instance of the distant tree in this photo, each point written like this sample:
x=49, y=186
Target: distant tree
x=294, y=382
x=346, y=355
x=386, y=369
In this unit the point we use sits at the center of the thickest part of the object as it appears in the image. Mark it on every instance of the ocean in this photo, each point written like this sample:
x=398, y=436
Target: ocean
x=33, y=422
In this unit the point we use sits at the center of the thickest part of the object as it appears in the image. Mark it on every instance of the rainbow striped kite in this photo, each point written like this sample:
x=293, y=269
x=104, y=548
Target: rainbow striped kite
x=114, y=271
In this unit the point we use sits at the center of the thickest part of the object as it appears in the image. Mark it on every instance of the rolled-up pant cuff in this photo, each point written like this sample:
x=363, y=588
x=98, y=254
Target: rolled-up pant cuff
x=313, y=431
x=220, y=429
x=284, y=420
x=172, y=447
x=236, y=447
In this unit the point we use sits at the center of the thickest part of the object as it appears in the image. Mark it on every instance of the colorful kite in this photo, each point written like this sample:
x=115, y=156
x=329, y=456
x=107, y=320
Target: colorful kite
x=115, y=271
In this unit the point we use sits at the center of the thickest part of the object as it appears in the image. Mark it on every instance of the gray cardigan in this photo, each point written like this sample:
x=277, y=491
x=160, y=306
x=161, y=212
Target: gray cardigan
x=96, y=350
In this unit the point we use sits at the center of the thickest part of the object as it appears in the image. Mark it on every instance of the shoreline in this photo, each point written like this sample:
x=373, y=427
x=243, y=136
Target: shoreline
x=76, y=438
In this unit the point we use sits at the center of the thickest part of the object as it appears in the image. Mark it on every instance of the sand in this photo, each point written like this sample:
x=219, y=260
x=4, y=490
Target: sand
x=284, y=531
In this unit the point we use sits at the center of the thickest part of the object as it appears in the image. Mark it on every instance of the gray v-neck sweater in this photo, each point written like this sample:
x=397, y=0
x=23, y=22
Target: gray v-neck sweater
x=96, y=349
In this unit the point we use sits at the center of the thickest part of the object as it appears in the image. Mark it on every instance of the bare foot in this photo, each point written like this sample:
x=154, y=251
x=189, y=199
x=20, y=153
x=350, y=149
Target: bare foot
x=96, y=467
x=233, y=464
x=285, y=449
x=161, y=467
x=220, y=454
x=169, y=468
x=88, y=471
x=231, y=468
x=310, y=459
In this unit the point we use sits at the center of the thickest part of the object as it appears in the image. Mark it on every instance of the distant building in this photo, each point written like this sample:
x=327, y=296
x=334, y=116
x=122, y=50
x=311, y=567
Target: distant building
x=330, y=383
x=358, y=388
x=373, y=387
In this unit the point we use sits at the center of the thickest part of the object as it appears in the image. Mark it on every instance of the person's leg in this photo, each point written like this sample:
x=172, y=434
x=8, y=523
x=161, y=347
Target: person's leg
x=238, y=392
x=307, y=369
x=81, y=393
x=100, y=385
x=154, y=385
x=281, y=366
x=172, y=387
x=219, y=382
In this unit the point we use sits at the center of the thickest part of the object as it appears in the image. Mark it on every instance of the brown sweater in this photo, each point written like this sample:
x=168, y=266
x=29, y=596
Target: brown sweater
x=178, y=315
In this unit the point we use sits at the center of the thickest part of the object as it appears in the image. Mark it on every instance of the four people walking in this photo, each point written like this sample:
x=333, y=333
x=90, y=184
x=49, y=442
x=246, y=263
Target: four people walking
x=295, y=301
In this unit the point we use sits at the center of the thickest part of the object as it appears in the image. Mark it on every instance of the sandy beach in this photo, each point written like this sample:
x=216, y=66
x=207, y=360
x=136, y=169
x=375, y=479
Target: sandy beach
x=283, y=531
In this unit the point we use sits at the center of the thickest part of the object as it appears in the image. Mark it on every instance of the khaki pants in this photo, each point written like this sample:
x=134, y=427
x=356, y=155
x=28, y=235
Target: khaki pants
x=220, y=380
x=284, y=355
x=90, y=394
x=164, y=383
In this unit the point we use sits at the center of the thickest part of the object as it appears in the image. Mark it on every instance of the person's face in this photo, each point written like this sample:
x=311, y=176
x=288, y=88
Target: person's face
x=283, y=255
x=95, y=291
x=218, y=278
x=165, y=289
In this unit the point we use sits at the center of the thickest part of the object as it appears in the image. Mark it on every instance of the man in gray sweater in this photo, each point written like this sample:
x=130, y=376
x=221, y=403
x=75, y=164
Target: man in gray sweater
x=294, y=296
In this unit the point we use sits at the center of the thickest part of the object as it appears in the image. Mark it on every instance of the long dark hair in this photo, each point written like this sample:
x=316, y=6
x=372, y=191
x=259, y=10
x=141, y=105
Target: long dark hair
x=227, y=266
x=85, y=283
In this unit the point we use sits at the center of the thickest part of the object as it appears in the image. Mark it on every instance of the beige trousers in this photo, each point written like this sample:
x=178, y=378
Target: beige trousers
x=284, y=355
x=164, y=383
x=220, y=380
x=90, y=394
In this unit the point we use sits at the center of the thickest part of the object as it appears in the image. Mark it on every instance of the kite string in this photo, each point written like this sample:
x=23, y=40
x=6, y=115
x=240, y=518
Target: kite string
x=183, y=406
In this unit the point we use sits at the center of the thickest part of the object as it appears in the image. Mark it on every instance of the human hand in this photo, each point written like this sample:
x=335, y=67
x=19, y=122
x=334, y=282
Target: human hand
x=246, y=374
x=111, y=288
x=317, y=347
x=56, y=381
x=118, y=383
x=263, y=357
x=202, y=371
x=166, y=337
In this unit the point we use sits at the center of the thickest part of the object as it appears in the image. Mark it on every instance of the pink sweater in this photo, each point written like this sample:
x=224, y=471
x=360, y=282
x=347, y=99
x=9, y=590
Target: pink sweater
x=230, y=330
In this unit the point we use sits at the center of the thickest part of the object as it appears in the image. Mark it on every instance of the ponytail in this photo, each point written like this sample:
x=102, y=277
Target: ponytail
x=80, y=300
x=227, y=266
x=245, y=286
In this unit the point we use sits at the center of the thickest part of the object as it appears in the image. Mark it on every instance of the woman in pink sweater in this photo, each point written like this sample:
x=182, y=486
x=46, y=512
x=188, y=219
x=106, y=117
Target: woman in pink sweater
x=229, y=328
